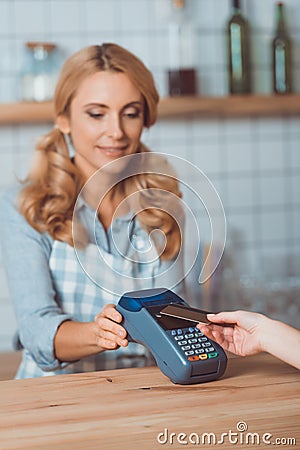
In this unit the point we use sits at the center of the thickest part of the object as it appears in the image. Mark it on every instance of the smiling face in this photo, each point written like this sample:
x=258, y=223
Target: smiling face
x=106, y=120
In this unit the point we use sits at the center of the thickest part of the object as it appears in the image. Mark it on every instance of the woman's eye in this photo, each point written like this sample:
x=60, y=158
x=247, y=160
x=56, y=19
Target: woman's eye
x=132, y=114
x=95, y=115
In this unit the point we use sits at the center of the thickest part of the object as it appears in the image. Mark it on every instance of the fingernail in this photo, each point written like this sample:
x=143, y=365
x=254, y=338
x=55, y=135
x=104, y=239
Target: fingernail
x=120, y=333
x=116, y=318
x=122, y=342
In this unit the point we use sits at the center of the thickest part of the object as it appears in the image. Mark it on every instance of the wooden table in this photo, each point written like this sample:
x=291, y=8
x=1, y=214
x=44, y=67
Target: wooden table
x=129, y=408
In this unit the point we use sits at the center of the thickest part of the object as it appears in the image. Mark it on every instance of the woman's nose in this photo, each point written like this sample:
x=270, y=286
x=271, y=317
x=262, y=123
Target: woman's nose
x=114, y=128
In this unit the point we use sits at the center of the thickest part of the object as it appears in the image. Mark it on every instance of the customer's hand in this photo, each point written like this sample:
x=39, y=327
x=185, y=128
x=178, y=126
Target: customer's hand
x=109, y=334
x=244, y=335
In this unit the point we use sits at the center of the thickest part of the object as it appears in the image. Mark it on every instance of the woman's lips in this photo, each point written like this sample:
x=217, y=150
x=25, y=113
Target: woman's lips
x=112, y=151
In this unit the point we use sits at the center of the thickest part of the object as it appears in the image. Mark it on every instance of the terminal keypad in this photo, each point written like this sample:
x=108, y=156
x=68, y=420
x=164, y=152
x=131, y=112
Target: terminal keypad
x=193, y=344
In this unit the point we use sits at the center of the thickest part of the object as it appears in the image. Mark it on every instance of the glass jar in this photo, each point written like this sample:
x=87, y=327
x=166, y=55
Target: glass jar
x=39, y=72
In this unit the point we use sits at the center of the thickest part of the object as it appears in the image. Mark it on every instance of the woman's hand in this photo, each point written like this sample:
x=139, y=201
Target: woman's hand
x=109, y=334
x=244, y=335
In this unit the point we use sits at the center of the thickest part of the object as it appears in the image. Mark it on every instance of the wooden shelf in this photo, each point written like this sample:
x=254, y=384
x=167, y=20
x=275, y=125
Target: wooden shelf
x=231, y=106
x=203, y=107
x=26, y=112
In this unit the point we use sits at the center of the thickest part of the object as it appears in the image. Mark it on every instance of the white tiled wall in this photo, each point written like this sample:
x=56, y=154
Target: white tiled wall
x=253, y=163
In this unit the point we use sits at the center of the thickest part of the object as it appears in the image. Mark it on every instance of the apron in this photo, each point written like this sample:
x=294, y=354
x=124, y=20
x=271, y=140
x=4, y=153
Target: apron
x=85, y=281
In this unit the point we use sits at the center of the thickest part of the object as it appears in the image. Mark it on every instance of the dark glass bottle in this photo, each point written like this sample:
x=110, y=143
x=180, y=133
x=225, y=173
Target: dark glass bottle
x=281, y=55
x=238, y=52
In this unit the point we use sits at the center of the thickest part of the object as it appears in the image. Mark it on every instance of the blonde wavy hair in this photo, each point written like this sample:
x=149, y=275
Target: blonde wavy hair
x=52, y=186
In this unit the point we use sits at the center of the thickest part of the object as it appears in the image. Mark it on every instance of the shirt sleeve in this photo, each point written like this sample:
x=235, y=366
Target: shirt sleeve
x=26, y=255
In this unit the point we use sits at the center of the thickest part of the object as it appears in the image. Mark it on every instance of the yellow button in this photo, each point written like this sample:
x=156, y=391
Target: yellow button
x=203, y=356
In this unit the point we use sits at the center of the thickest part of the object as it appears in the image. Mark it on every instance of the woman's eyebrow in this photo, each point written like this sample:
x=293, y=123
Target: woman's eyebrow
x=102, y=105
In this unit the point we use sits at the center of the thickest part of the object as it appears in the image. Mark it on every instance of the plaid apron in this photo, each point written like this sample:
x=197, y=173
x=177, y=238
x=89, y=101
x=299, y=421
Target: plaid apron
x=84, y=286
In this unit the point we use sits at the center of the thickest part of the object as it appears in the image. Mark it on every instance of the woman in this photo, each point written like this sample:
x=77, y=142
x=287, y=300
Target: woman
x=104, y=197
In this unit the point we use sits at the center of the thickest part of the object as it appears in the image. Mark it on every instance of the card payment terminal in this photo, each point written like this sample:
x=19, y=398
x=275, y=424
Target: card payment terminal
x=181, y=351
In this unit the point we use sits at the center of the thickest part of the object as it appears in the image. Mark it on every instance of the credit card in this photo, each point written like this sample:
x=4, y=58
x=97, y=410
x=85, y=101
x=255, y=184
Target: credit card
x=185, y=313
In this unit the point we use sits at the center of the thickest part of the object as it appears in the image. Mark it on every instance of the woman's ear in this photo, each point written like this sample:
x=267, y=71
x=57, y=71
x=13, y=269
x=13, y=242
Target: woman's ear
x=63, y=123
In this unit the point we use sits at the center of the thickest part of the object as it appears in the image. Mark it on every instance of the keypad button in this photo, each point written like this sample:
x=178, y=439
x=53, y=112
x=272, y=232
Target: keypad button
x=186, y=347
x=198, y=334
x=203, y=339
x=179, y=331
x=191, y=330
x=190, y=352
x=209, y=349
x=202, y=356
x=173, y=332
x=206, y=344
x=201, y=350
x=182, y=342
x=196, y=345
x=189, y=336
x=192, y=341
x=178, y=338
x=213, y=355
x=193, y=358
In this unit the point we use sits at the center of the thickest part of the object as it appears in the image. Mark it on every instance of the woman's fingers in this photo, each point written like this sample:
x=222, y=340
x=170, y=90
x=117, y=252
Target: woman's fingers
x=111, y=313
x=110, y=335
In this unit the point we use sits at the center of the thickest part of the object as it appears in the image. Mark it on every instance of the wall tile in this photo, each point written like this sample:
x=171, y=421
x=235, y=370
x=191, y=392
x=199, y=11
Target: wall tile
x=7, y=137
x=240, y=193
x=29, y=17
x=101, y=15
x=8, y=89
x=158, y=51
x=296, y=51
x=271, y=156
x=261, y=49
x=261, y=14
x=267, y=127
x=294, y=189
x=66, y=16
x=273, y=190
x=136, y=43
x=135, y=15
x=295, y=218
x=243, y=224
x=293, y=127
x=261, y=81
x=274, y=226
x=294, y=154
x=239, y=156
x=207, y=157
x=7, y=61
x=6, y=17
x=206, y=130
x=211, y=15
x=7, y=175
x=208, y=51
x=237, y=129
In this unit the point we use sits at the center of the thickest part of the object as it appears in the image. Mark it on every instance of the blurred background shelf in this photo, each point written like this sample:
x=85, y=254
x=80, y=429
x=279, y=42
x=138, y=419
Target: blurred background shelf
x=205, y=107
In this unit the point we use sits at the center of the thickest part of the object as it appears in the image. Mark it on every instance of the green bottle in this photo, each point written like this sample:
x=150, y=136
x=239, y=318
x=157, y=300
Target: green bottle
x=238, y=52
x=281, y=55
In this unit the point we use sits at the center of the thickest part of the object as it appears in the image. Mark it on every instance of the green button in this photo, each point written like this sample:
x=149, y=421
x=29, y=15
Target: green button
x=213, y=355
